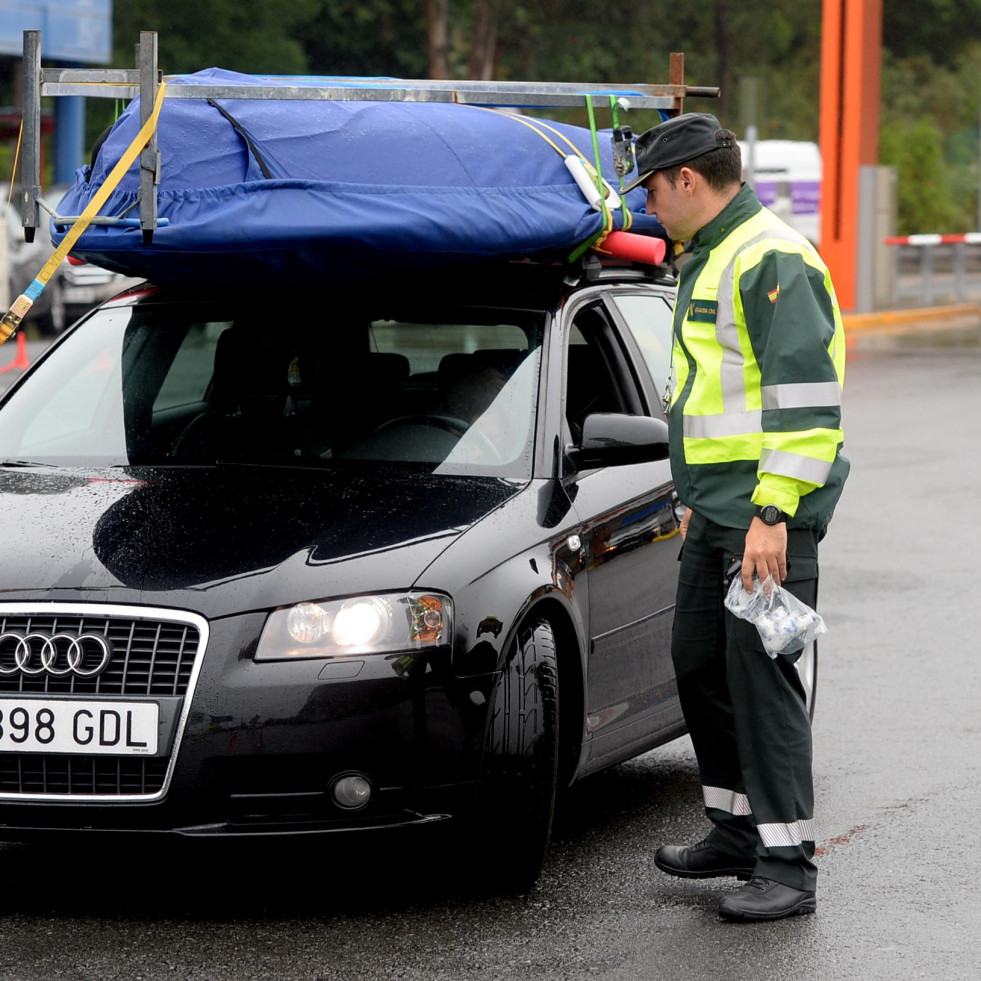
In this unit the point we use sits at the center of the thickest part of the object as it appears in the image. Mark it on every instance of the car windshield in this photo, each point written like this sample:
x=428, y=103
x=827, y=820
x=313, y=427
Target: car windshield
x=170, y=384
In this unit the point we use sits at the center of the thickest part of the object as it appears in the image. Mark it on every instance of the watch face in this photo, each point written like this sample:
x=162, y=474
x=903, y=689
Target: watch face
x=770, y=514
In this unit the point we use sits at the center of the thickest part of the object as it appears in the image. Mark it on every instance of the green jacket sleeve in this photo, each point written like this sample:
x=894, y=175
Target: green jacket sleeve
x=795, y=332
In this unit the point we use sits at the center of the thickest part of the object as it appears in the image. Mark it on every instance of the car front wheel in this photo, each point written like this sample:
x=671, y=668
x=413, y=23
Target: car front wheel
x=512, y=819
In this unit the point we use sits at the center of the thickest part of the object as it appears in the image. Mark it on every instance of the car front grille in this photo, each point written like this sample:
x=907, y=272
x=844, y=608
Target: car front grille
x=149, y=657
x=154, y=653
x=89, y=776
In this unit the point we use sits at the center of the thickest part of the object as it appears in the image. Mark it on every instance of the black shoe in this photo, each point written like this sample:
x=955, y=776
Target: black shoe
x=764, y=899
x=701, y=861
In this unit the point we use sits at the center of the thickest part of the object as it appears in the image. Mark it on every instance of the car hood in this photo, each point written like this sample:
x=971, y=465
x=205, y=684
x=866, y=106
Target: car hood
x=227, y=540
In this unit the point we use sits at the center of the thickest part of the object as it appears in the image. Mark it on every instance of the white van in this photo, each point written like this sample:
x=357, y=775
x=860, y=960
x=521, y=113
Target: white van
x=787, y=178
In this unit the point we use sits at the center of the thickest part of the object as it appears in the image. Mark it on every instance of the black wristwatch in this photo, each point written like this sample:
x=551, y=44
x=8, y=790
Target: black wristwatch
x=770, y=514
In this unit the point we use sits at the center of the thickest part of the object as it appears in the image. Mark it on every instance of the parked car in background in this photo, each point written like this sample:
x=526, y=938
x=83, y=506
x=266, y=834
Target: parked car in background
x=73, y=290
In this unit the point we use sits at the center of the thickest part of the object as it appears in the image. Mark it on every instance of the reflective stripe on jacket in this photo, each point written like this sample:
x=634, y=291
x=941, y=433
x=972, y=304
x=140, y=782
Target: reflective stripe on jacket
x=759, y=357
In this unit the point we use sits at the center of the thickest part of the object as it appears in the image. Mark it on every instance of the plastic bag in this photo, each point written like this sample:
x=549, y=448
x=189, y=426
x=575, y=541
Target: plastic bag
x=785, y=624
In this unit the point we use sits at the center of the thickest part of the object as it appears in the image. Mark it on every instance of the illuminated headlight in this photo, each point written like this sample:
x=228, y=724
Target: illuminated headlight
x=357, y=625
x=361, y=623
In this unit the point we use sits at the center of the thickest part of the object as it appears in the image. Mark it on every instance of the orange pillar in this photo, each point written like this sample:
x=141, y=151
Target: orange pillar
x=851, y=61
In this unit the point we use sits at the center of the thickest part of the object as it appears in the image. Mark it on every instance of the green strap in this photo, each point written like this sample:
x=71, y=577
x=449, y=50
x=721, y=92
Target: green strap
x=628, y=218
x=607, y=219
x=596, y=154
x=584, y=247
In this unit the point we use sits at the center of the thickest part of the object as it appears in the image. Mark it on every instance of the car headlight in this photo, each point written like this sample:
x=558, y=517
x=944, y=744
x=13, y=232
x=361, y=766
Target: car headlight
x=358, y=625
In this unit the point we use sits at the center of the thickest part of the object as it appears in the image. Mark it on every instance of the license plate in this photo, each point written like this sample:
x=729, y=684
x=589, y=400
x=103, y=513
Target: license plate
x=78, y=294
x=33, y=725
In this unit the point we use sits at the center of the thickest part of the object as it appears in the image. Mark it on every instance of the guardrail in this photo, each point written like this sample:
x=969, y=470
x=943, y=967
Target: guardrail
x=933, y=267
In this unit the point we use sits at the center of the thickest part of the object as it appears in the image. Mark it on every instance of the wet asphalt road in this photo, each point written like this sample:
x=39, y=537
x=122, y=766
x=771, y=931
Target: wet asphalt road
x=898, y=755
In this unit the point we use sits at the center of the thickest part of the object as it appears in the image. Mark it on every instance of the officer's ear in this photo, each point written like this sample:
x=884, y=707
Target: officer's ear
x=688, y=179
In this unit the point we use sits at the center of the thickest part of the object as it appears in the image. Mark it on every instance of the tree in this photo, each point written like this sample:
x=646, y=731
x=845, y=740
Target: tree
x=483, y=46
x=929, y=133
x=938, y=29
x=366, y=37
x=916, y=151
x=241, y=35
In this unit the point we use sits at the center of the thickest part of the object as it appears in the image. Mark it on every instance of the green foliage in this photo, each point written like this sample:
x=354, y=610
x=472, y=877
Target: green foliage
x=926, y=199
x=937, y=29
x=258, y=36
x=366, y=37
x=929, y=133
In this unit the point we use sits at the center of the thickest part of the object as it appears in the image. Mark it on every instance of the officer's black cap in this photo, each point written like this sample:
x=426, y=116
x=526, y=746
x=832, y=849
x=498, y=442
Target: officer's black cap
x=675, y=142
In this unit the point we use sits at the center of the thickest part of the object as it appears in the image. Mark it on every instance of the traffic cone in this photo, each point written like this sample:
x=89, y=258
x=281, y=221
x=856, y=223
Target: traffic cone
x=21, y=360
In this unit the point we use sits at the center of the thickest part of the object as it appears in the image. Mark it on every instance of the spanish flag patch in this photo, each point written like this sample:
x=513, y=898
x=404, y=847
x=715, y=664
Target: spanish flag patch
x=773, y=294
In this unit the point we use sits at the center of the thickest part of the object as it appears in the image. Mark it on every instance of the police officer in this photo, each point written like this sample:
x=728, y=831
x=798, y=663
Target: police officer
x=755, y=436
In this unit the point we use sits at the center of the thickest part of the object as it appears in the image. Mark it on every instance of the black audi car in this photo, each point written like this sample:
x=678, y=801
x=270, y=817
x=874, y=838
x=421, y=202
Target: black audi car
x=398, y=554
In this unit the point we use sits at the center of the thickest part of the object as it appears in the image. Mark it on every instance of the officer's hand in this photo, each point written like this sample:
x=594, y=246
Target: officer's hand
x=685, y=520
x=765, y=553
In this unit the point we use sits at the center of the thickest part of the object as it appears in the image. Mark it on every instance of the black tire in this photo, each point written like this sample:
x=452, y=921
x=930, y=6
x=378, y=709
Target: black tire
x=511, y=824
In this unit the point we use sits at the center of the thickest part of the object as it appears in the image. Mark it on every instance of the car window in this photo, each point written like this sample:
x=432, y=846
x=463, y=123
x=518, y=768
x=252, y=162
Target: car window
x=649, y=319
x=91, y=402
x=425, y=345
x=161, y=384
x=465, y=399
x=598, y=377
x=76, y=413
x=190, y=373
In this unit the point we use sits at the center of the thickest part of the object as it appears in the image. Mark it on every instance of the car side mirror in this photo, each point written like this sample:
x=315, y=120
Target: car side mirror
x=611, y=439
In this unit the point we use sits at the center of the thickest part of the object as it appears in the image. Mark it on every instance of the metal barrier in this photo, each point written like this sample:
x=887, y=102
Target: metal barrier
x=934, y=267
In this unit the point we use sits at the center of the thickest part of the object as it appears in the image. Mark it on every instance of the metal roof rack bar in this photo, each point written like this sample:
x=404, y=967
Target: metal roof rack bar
x=530, y=94
x=150, y=157
x=31, y=154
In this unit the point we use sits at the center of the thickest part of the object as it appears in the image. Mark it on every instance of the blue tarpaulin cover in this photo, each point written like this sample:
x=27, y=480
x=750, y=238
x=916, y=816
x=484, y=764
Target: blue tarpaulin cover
x=289, y=189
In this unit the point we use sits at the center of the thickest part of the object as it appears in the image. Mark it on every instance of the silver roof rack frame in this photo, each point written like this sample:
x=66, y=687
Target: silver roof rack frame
x=144, y=80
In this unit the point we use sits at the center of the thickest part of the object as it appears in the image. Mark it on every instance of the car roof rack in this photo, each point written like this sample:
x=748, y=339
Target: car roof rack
x=146, y=77
x=594, y=268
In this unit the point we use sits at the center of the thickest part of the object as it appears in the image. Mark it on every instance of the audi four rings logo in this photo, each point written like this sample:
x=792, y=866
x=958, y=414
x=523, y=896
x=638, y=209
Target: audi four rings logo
x=34, y=653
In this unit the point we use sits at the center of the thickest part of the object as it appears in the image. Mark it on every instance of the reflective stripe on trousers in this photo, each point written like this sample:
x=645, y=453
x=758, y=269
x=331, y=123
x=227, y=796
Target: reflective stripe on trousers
x=772, y=835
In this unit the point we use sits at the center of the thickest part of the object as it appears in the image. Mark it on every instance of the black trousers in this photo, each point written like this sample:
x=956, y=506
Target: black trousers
x=745, y=711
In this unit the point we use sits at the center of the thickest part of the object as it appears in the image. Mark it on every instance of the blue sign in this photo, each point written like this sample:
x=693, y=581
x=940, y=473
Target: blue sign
x=75, y=31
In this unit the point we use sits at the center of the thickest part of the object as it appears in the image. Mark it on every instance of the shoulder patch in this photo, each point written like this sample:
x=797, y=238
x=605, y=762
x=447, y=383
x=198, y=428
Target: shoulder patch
x=702, y=311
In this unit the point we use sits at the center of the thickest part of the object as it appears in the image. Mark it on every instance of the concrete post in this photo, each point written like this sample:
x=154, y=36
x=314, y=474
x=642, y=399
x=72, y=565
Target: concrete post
x=886, y=209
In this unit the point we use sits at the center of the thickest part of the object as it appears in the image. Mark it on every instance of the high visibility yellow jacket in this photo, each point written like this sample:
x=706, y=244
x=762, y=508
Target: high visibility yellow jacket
x=759, y=360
